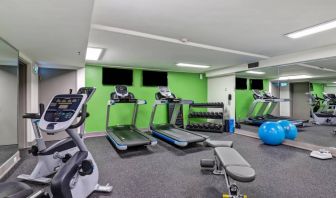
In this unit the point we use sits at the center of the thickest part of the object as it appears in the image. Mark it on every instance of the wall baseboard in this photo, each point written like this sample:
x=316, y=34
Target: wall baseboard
x=9, y=164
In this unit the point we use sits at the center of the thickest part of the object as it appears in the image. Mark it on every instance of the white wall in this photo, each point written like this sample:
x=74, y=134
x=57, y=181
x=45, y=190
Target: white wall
x=285, y=107
x=32, y=94
x=53, y=82
x=8, y=105
x=80, y=78
x=330, y=89
x=218, y=90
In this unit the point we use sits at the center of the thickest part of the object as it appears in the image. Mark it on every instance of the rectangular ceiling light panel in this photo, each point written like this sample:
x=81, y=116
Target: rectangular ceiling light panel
x=312, y=30
x=93, y=53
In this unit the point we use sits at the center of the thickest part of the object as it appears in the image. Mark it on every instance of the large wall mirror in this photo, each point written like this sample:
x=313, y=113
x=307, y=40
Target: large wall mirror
x=304, y=93
x=8, y=101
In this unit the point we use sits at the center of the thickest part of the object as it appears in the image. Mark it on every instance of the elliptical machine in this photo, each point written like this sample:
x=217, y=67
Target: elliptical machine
x=51, y=158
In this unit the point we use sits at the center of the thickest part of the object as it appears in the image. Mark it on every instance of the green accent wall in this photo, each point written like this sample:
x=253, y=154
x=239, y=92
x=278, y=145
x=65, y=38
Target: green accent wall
x=318, y=88
x=244, y=99
x=183, y=85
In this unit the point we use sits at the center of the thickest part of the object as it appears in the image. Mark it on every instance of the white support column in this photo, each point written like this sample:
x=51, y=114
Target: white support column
x=219, y=89
x=32, y=94
x=80, y=77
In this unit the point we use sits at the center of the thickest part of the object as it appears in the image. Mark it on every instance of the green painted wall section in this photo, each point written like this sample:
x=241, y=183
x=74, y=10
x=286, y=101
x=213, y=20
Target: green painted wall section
x=318, y=88
x=183, y=85
x=244, y=99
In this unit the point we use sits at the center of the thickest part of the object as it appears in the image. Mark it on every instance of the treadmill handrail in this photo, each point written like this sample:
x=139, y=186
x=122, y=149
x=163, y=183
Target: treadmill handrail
x=273, y=100
x=159, y=102
x=135, y=110
x=137, y=101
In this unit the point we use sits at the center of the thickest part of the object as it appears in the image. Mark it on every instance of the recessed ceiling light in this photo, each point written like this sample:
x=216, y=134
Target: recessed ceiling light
x=294, y=77
x=93, y=53
x=255, y=72
x=313, y=30
x=191, y=65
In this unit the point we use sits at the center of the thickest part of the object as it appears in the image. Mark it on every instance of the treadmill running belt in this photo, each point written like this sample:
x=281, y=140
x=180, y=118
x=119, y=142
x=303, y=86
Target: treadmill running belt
x=128, y=136
x=180, y=135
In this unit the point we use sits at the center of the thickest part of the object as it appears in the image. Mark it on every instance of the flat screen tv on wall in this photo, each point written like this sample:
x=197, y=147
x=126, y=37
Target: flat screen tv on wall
x=154, y=78
x=113, y=76
x=241, y=83
x=257, y=84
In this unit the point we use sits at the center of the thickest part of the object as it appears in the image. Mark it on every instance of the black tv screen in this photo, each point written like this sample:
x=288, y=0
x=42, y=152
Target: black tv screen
x=257, y=84
x=113, y=76
x=154, y=78
x=241, y=83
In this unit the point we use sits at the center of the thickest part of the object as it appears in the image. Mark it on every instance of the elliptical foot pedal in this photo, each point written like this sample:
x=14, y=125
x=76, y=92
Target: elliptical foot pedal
x=42, y=180
x=106, y=188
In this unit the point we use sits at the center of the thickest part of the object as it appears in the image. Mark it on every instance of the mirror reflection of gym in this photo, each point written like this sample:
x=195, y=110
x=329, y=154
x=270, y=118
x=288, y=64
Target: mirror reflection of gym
x=306, y=95
x=8, y=101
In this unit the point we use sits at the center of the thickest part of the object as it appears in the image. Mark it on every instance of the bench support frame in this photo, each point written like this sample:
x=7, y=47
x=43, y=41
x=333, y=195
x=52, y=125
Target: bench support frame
x=232, y=187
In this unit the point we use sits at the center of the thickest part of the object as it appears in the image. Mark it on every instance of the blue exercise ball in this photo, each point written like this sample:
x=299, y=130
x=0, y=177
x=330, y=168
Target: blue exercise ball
x=271, y=133
x=291, y=131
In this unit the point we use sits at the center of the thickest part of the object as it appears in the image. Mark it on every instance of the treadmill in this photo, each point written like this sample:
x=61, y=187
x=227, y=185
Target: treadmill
x=125, y=136
x=263, y=114
x=329, y=103
x=170, y=132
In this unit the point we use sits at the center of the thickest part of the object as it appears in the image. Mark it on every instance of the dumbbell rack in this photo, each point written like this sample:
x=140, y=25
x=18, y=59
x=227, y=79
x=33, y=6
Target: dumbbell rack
x=207, y=126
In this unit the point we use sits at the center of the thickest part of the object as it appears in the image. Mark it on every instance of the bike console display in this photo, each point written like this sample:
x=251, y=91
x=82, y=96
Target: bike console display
x=61, y=112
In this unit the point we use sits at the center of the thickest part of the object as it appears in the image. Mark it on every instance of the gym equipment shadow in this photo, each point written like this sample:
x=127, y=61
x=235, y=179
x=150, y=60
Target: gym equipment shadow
x=181, y=151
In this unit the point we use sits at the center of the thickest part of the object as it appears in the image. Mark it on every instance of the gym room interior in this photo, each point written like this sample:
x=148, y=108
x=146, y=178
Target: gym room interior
x=153, y=99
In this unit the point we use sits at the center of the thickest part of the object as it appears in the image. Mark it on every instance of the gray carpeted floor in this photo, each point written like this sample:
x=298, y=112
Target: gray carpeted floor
x=318, y=135
x=7, y=151
x=167, y=171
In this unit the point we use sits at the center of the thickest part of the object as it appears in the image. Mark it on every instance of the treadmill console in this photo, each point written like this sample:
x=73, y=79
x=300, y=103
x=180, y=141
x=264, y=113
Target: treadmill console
x=61, y=112
x=269, y=95
x=165, y=94
x=257, y=94
x=121, y=95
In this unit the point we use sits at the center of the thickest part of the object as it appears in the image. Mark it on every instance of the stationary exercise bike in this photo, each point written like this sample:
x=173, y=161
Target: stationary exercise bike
x=51, y=158
x=78, y=177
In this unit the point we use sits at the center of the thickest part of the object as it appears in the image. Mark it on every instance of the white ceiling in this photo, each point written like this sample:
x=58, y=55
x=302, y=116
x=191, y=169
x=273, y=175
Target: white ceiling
x=290, y=70
x=125, y=50
x=329, y=63
x=249, y=26
x=8, y=54
x=48, y=31
x=53, y=31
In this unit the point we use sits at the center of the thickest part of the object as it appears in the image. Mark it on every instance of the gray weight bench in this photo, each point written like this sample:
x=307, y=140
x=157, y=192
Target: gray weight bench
x=232, y=165
x=218, y=143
